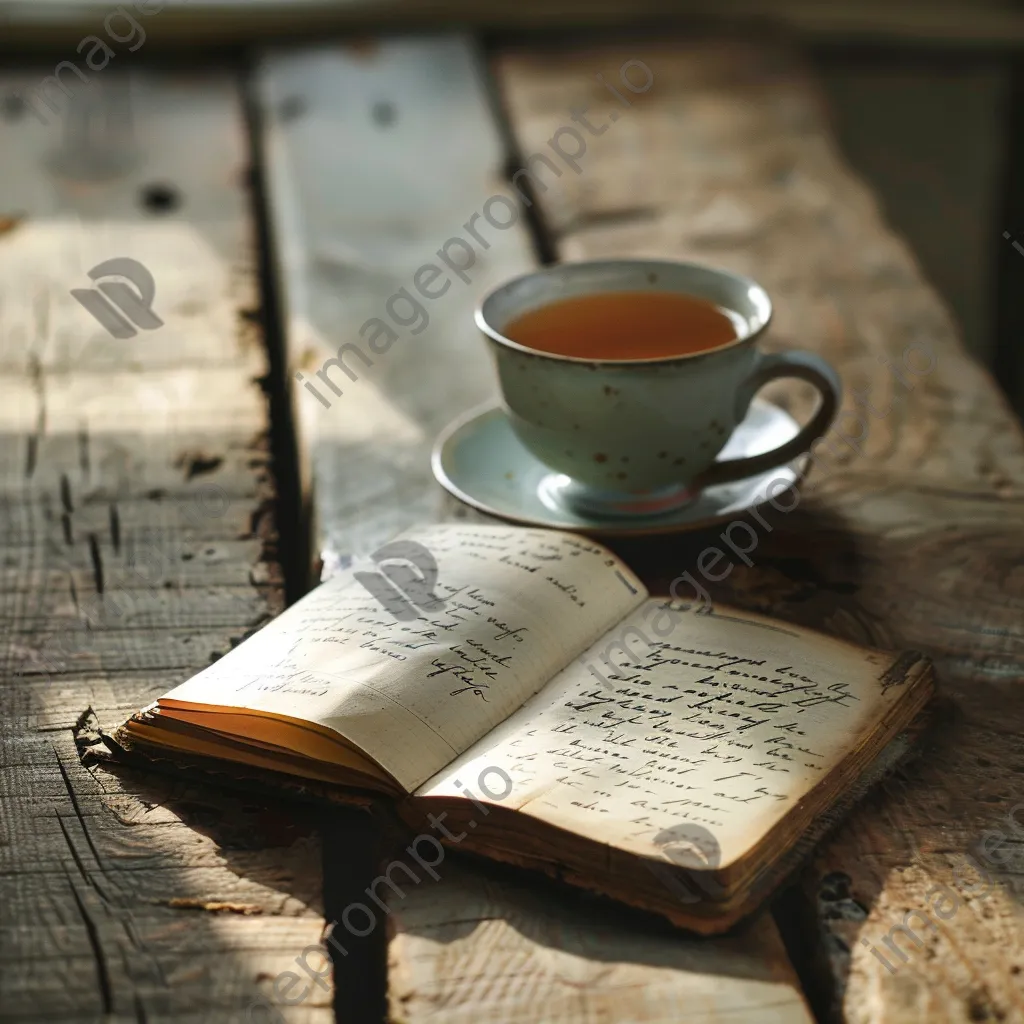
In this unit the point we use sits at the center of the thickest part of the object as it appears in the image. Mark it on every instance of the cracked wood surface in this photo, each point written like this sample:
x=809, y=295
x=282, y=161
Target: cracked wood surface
x=137, y=544
x=910, y=538
x=358, y=202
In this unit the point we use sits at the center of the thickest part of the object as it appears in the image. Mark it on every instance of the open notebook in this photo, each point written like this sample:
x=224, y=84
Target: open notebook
x=559, y=718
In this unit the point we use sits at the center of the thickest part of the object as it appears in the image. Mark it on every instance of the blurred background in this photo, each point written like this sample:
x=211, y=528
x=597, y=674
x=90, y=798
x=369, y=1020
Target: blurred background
x=926, y=96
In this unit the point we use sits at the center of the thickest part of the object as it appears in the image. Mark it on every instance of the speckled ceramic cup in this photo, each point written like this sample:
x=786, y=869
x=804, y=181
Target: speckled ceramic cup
x=640, y=436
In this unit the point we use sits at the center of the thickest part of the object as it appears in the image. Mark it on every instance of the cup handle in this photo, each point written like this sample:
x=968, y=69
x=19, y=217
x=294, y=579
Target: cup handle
x=805, y=366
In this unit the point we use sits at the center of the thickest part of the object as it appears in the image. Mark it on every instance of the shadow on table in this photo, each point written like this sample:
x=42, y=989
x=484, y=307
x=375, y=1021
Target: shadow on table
x=293, y=860
x=805, y=566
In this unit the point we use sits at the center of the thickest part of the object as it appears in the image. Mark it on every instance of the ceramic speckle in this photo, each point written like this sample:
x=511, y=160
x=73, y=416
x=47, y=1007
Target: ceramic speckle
x=629, y=407
x=473, y=456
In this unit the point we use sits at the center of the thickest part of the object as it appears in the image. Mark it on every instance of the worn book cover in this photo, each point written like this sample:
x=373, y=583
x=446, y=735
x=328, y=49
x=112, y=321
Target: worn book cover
x=536, y=700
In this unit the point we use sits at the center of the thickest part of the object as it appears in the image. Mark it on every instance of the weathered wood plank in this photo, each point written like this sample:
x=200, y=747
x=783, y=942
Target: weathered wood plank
x=139, y=462
x=907, y=537
x=363, y=193
x=518, y=954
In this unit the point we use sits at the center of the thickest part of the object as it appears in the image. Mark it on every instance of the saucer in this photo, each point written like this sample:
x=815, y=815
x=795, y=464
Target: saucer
x=479, y=459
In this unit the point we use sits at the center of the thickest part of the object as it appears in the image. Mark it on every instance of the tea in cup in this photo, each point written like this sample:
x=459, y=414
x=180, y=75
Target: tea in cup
x=629, y=376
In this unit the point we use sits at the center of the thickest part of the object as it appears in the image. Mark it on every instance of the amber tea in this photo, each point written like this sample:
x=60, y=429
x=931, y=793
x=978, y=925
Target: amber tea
x=625, y=325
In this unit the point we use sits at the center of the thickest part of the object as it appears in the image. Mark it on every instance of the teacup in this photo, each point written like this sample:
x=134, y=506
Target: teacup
x=643, y=435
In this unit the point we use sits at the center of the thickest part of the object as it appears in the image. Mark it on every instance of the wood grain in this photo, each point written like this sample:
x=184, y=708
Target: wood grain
x=910, y=537
x=137, y=543
x=362, y=194
x=357, y=207
x=520, y=952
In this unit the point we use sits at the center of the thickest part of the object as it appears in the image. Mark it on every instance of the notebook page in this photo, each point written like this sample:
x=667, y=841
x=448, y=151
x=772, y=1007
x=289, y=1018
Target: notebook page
x=515, y=606
x=717, y=728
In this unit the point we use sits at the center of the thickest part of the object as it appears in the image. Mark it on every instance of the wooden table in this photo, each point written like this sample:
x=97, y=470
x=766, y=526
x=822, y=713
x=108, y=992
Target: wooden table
x=141, y=537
